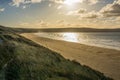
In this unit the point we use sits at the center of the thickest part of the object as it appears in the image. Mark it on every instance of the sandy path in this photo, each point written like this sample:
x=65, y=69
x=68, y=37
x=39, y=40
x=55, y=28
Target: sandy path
x=104, y=60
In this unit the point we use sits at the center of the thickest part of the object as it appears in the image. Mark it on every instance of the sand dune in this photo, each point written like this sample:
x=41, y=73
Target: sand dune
x=104, y=60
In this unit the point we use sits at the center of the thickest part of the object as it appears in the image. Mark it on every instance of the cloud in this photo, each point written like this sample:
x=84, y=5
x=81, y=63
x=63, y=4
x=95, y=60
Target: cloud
x=42, y=23
x=50, y=5
x=118, y=19
x=91, y=15
x=24, y=24
x=2, y=9
x=35, y=1
x=77, y=12
x=18, y=2
x=61, y=22
x=111, y=10
x=82, y=13
x=39, y=23
x=76, y=1
x=59, y=7
x=58, y=1
x=92, y=1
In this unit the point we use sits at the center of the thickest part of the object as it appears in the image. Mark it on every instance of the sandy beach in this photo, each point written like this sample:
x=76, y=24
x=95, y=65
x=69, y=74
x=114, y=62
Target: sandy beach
x=104, y=60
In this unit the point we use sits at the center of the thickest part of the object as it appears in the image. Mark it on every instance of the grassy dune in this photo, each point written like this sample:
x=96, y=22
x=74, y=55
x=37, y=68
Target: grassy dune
x=22, y=59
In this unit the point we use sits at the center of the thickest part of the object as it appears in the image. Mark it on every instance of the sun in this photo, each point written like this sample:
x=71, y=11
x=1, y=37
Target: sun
x=71, y=2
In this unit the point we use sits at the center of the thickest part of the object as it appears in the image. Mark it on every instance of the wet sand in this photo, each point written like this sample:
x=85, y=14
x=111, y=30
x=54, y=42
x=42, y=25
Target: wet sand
x=104, y=60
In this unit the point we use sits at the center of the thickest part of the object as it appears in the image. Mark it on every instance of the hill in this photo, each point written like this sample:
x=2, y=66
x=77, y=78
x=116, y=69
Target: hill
x=78, y=30
x=22, y=59
x=29, y=30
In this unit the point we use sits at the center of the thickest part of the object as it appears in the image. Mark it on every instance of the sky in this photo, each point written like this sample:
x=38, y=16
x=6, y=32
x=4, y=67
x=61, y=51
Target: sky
x=60, y=13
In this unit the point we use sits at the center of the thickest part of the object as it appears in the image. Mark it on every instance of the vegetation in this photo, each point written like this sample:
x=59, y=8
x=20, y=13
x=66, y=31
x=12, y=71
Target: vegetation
x=22, y=59
x=33, y=30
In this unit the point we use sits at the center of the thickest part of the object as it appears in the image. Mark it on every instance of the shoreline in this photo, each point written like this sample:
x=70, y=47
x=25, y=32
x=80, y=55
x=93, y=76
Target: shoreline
x=85, y=41
x=104, y=60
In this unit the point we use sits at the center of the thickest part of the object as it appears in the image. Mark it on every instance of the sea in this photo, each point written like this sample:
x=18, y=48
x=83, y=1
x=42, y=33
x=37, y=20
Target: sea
x=109, y=40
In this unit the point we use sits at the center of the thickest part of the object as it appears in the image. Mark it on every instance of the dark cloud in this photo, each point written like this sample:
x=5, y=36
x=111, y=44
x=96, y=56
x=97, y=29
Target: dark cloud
x=111, y=10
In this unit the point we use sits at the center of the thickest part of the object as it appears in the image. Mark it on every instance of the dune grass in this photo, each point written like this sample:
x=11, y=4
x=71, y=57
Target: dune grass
x=22, y=59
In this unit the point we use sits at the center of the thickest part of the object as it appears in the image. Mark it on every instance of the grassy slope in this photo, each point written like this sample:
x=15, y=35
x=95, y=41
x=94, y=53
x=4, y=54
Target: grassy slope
x=22, y=59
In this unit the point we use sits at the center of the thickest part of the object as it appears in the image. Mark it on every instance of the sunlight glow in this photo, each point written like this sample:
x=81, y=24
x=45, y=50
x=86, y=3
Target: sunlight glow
x=72, y=37
x=71, y=2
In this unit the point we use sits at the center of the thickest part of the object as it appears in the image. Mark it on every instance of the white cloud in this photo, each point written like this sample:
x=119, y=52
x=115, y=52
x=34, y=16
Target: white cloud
x=50, y=5
x=24, y=7
x=93, y=1
x=2, y=9
x=77, y=12
x=118, y=18
x=91, y=15
x=39, y=23
x=59, y=7
x=35, y=1
x=61, y=21
x=76, y=1
x=24, y=24
x=18, y=2
x=57, y=1
x=110, y=10
x=82, y=13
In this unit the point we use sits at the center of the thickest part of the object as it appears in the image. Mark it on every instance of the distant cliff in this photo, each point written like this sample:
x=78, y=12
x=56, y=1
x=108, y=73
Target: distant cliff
x=79, y=30
x=29, y=30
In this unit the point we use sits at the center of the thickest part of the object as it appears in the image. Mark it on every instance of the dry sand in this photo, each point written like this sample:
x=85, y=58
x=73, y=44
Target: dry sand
x=104, y=60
